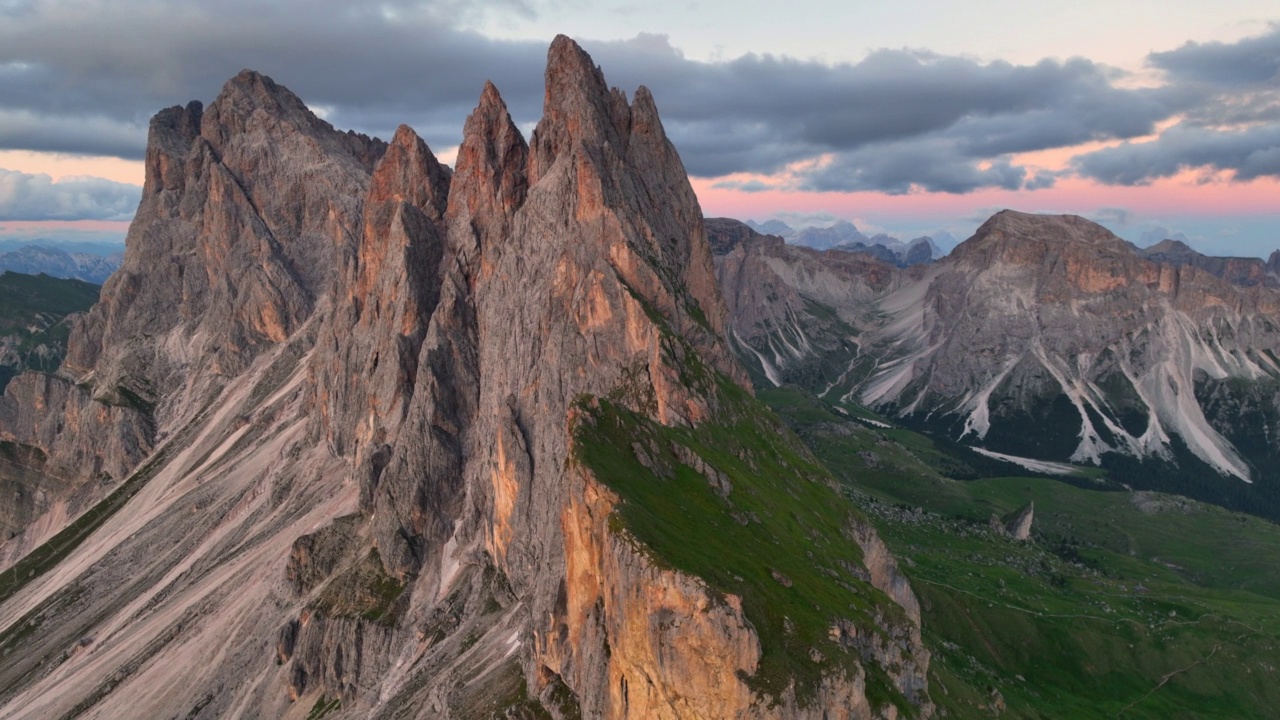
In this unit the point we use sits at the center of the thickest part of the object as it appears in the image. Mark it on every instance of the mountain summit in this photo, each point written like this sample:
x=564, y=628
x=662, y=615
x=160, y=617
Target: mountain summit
x=354, y=432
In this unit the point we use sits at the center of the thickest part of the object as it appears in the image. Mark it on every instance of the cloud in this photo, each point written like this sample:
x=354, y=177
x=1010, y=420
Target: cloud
x=1233, y=129
x=797, y=220
x=1254, y=60
x=759, y=113
x=375, y=65
x=902, y=167
x=1247, y=154
x=1113, y=215
x=38, y=197
x=748, y=186
x=74, y=78
x=1159, y=233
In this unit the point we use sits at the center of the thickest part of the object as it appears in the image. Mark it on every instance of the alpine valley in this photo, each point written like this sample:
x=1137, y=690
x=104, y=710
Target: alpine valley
x=1041, y=337
x=351, y=433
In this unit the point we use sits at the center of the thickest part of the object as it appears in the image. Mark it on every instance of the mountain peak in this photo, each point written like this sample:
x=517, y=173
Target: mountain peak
x=252, y=102
x=249, y=91
x=566, y=58
x=249, y=78
x=490, y=175
x=1068, y=228
x=578, y=108
x=410, y=172
x=1169, y=247
x=1010, y=234
x=574, y=84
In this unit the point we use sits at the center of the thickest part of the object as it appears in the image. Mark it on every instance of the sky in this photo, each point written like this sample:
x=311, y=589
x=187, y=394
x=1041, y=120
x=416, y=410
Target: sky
x=908, y=117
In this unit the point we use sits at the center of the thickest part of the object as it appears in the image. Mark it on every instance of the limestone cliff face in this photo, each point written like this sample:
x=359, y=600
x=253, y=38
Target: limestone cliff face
x=794, y=311
x=659, y=642
x=1245, y=272
x=1123, y=337
x=366, y=370
x=246, y=208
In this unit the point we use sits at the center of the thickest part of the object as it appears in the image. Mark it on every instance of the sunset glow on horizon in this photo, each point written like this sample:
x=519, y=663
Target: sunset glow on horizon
x=1167, y=120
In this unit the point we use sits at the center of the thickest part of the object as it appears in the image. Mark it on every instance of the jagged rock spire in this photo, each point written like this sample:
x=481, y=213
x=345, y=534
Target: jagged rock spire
x=490, y=182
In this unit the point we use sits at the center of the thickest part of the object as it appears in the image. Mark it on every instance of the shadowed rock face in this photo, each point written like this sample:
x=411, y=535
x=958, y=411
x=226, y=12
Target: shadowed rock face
x=1245, y=272
x=367, y=373
x=795, y=311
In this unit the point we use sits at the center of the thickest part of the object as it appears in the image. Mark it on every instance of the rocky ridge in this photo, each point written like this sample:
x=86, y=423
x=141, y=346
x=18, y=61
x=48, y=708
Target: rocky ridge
x=336, y=390
x=1053, y=323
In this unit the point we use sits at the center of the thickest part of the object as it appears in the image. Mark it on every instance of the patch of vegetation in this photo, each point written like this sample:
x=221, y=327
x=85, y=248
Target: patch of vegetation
x=740, y=503
x=33, y=326
x=23, y=295
x=1046, y=427
x=365, y=590
x=1129, y=409
x=1123, y=604
x=323, y=707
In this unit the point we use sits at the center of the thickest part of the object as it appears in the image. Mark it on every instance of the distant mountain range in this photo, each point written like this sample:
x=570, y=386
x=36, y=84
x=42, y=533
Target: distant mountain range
x=60, y=263
x=844, y=235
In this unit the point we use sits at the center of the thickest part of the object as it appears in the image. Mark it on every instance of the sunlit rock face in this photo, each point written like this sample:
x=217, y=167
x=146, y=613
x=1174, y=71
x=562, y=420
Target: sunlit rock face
x=345, y=473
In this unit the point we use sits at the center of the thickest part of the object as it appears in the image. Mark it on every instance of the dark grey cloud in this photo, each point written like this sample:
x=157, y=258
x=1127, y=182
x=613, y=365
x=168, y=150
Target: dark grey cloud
x=1250, y=61
x=369, y=67
x=85, y=77
x=898, y=119
x=898, y=168
x=1234, y=128
x=1249, y=153
x=38, y=197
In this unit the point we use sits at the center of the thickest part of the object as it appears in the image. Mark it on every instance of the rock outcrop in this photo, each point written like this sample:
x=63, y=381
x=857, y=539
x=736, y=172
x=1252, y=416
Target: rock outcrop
x=1245, y=272
x=1016, y=525
x=365, y=487
x=794, y=311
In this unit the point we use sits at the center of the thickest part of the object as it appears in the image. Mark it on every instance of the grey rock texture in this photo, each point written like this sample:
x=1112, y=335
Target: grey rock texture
x=795, y=312
x=361, y=374
x=1245, y=272
x=1040, y=336
x=1019, y=526
x=246, y=208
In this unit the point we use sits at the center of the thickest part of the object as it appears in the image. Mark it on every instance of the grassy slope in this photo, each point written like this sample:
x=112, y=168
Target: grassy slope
x=21, y=296
x=1123, y=605
x=784, y=513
